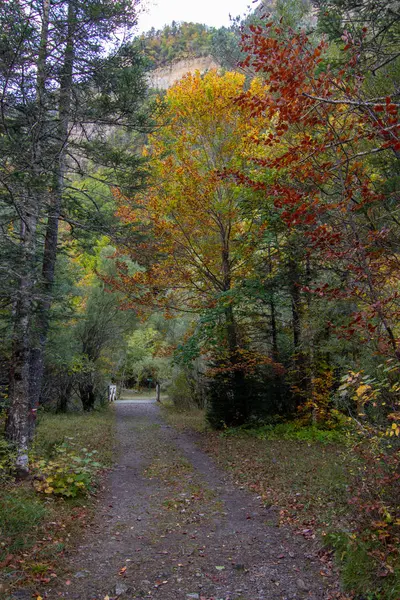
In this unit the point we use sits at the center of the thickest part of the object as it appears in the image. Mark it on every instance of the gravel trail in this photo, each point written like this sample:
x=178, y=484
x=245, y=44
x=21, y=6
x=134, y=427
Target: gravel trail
x=172, y=526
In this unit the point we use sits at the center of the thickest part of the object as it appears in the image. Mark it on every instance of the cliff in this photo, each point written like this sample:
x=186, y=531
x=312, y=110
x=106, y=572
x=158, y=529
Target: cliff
x=164, y=77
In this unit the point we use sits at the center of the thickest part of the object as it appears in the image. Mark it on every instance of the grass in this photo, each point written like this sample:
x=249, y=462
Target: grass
x=292, y=430
x=184, y=419
x=35, y=530
x=21, y=516
x=362, y=570
x=308, y=480
x=94, y=431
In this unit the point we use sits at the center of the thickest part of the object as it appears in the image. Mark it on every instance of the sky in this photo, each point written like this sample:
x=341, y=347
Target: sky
x=210, y=12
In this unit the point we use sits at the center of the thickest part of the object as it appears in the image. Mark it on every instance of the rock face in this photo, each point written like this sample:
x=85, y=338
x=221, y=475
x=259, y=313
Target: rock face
x=164, y=77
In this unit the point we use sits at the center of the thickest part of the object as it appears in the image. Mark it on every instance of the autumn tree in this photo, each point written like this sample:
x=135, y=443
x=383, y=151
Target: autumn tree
x=202, y=243
x=321, y=165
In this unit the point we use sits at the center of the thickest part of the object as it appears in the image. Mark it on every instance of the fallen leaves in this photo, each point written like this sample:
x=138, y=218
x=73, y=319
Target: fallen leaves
x=9, y=558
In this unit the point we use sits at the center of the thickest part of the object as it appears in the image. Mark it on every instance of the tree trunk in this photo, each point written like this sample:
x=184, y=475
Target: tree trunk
x=301, y=378
x=87, y=395
x=20, y=417
x=51, y=237
x=63, y=400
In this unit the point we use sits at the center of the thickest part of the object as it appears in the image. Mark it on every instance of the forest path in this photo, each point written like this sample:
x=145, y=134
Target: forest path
x=174, y=527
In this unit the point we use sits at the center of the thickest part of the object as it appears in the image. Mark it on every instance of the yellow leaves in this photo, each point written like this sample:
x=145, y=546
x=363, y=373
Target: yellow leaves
x=395, y=430
x=362, y=390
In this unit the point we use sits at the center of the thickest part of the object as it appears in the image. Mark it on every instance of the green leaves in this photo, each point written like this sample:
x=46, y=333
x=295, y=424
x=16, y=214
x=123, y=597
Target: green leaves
x=66, y=474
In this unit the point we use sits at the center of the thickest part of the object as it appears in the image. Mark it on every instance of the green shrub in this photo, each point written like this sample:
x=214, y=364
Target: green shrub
x=292, y=430
x=67, y=473
x=180, y=391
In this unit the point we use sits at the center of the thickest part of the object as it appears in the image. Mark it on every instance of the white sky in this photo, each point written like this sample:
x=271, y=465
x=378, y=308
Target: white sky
x=210, y=12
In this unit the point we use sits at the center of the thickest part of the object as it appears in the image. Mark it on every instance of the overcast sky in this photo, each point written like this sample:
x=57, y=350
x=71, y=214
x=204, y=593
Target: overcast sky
x=210, y=12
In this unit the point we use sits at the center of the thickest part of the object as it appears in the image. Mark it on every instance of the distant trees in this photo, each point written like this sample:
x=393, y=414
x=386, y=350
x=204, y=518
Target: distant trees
x=60, y=92
x=202, y=242
x=176, y=42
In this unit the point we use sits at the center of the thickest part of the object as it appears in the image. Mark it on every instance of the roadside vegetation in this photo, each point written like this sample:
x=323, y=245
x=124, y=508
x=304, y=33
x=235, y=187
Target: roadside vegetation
x=43, y=517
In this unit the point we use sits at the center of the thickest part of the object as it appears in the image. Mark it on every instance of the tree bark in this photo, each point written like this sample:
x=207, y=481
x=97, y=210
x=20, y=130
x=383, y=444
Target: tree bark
x=51, y=237
x=300, y=363
x=20, y=417
x=87, y=395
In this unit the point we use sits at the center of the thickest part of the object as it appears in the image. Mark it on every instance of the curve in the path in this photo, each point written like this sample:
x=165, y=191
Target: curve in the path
x=174, y=527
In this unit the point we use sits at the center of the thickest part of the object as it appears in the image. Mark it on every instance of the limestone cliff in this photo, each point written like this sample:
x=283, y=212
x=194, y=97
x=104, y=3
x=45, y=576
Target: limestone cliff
x=164, y=77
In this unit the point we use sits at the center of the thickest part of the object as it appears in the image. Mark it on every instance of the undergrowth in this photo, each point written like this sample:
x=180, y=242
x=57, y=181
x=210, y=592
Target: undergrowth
x=292, y=430
x=21, y=515
x=35, y=525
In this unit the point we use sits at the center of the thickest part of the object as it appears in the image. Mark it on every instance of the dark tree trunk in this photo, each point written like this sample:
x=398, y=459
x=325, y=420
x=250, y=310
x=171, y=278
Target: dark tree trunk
x=294, y=289
x=51, y=237
x=20, y=417
x=64, y=398
x=87, y=395
x=239, y=413
x=301, y=375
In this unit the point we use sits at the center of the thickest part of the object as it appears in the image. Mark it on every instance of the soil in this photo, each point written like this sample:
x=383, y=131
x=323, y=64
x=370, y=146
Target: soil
x=172, y=526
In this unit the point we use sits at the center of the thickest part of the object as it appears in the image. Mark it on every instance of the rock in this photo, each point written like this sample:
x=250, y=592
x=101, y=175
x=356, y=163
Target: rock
x=120, y=589
x=192, y=596
x=22, y=595
x=80, y=574
x=301, y=585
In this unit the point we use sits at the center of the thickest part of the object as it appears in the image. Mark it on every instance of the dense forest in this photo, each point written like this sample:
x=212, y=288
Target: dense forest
x=235, y=239
x=176, y=42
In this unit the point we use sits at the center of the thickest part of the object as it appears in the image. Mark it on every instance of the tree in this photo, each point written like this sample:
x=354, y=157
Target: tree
x=201, y=244
x=56, y=107
x=321, y=161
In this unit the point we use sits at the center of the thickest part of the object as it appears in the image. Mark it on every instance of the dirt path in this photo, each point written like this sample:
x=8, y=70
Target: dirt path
x=174, y=527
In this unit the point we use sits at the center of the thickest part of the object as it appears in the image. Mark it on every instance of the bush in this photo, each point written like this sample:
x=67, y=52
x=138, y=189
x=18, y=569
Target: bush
x=234, y=398
x=180, y=391
x=67, y=473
